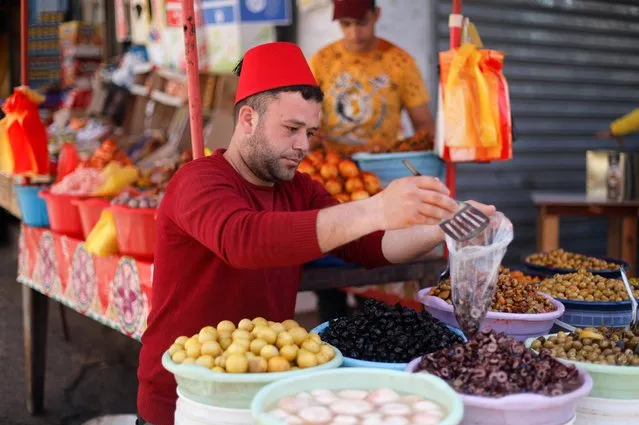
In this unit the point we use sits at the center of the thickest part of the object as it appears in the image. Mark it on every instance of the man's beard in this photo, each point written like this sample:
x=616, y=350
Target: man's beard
x=265, y=164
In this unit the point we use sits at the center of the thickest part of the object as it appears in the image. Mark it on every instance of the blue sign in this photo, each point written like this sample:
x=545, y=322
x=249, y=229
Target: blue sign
x=215, y=15
x=276, y=12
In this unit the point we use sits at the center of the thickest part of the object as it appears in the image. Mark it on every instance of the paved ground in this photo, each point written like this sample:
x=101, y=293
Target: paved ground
x=92, y=375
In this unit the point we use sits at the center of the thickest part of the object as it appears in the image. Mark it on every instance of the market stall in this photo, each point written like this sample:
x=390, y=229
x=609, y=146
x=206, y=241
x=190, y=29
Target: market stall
x=453, y=355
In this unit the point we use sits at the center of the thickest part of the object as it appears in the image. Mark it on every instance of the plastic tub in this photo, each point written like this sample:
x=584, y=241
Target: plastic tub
x=521, y=409
x=388, y=166
x=599, y=411
x=64, y=216
x=351, y=362
x=595, y=313
x=425, y=385
x=230, y=390
x=90, y=210
x=609, y=382
x=551, y=271
x=518, y=326
x=136, y=231
x=189, y=412
x=33, y=209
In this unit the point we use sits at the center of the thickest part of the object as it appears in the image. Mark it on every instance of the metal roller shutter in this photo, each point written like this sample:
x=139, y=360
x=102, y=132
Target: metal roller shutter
x=573, y=67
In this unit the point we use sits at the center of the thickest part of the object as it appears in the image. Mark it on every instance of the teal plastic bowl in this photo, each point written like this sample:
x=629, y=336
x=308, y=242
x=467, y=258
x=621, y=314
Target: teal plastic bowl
x=425, y=385
x=389, y=166
x=231, y=390
x=610, y=382
x=351, y=362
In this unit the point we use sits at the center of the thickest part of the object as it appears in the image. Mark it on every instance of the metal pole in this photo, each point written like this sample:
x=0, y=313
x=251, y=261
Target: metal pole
x=24, y=41
x=455, y=24
x=193, y=78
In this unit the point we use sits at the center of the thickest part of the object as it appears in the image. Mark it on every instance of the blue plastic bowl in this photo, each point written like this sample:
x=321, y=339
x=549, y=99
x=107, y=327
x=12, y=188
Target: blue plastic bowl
x=389, y=167
x=32, y=207
x=351, y=362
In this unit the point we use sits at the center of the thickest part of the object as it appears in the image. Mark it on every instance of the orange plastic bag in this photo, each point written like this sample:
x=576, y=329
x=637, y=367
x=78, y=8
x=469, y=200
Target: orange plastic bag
x=476, y=107
x=24, y=142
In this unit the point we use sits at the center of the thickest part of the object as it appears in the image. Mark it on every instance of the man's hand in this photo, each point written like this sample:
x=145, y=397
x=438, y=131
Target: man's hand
x=486, y=209
x=412, y=201
x=416, y=242
x=604, y=134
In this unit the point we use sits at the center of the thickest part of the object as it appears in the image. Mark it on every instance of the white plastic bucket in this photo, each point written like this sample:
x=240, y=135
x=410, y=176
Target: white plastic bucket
x=189, y=412
x=601, y=411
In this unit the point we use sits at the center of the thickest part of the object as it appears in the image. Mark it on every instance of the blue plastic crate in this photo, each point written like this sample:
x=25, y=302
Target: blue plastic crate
x=388, y=166
x=33, y=209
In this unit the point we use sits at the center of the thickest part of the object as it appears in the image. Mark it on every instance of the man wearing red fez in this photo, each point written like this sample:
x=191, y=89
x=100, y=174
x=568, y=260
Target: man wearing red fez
x=235, y=228
x=367, y=82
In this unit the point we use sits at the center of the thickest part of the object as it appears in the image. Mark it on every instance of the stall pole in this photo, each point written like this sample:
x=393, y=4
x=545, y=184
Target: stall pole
x=24, y=30
x=193, y=78
x=455, y=24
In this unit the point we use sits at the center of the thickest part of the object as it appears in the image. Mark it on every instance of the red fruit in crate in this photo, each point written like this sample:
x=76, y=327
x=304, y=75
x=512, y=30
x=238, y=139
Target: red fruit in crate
x=333, y=186
x=371, y=182
x=328, y=170
x=306, y=167
x=333, y=158
x=348, y=168
x=316, y=158
x=318, y=178
x=360, y=194
x=353, y=184
x=343, y=197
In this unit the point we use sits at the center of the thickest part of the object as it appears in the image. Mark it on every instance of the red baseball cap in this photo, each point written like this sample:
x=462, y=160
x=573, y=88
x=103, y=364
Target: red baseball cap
x=270, y=66
x=354, y=9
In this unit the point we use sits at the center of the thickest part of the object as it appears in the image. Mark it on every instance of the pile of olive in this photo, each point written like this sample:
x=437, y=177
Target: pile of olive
x=615, y=347
x=585, y=286
x=512, y=295
x=254, y=346
x=492, y=364
x=560, y=259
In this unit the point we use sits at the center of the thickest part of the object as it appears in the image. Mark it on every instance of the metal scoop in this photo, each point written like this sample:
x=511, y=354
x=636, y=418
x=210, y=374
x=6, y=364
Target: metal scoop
x=634, y=322
x=467, y=222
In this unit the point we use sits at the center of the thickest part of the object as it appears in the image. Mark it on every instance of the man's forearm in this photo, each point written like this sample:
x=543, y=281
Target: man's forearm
x=405, y=245
x=344, y=223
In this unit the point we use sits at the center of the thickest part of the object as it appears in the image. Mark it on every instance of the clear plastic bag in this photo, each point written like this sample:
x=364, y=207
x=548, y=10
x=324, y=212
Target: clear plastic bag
x=474, y=267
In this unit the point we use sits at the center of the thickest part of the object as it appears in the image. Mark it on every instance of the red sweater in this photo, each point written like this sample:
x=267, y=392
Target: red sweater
x=227, y=249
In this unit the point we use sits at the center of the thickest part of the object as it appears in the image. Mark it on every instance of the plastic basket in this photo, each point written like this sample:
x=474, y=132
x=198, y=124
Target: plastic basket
x=428, y=386
x=90, y=210
x=231, y=390
x=518, y=326
x=388, y=166
x=521, y=409
x=136, y=231
x=33, y=209
x=609, y=382
x=352, y=362
x=64, y=216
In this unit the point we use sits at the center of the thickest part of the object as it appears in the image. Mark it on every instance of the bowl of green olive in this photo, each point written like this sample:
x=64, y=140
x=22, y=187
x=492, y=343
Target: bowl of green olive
x=561, y=261
x=609, y=355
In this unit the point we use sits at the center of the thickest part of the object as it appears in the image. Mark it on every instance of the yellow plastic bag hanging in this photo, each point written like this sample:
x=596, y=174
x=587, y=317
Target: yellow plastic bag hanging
x=470, y=35
x=116, y=177
x=6, y=154
x=468, y=111
x=103, y=239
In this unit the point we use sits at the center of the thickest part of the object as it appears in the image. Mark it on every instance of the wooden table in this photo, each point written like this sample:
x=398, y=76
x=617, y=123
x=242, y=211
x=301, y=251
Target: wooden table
x=115, y=291
x=621, y=215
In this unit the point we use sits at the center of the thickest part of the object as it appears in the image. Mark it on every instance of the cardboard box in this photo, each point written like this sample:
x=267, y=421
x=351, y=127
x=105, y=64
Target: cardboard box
x=225, y=89
x=8, y=198
x=79, y=72
x=81, y=39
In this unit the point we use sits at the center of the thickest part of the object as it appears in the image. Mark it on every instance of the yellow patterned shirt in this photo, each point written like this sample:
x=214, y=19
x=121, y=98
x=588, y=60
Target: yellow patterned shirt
x=366, y=92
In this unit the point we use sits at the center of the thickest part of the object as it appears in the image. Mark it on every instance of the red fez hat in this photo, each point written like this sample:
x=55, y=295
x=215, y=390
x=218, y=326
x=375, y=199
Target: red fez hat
x=270, y=66
x=354, y=9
